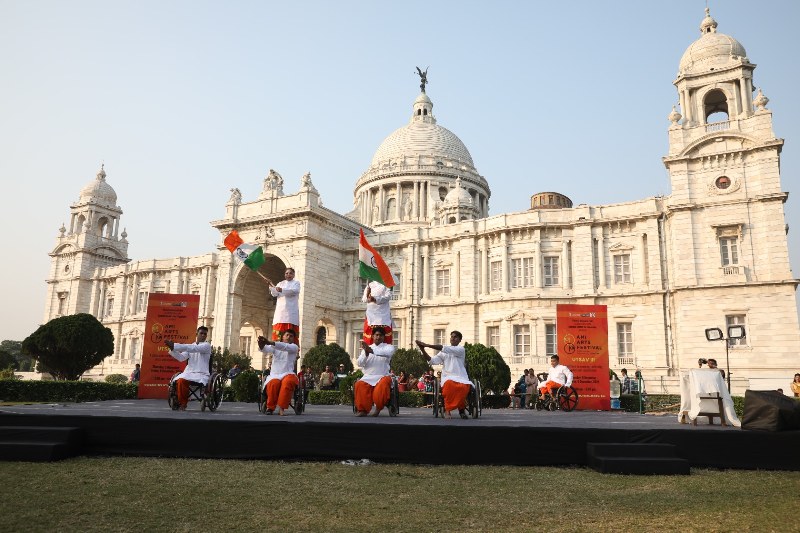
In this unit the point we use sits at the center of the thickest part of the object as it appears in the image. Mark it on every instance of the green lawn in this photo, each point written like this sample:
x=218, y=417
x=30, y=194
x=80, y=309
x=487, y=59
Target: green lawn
x=146, y=494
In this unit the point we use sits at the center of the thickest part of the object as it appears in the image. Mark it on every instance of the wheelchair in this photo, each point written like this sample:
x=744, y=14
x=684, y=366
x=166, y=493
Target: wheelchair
x=565, y=398
x=394, y=397
x=297, y=403
x=209, y=396
x=473, y=408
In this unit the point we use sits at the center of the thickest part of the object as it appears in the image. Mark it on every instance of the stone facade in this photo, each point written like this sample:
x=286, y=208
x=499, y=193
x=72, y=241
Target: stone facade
x=713, y=253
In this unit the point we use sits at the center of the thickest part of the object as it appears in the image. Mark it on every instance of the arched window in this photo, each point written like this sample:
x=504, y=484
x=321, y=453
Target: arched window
x=322, y=335
x=391, y=207
x=715, y=106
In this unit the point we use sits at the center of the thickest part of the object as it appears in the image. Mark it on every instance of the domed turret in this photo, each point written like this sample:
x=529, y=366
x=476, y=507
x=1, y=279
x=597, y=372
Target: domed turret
x=413, y=172
x=98, y=191
x=712, y=50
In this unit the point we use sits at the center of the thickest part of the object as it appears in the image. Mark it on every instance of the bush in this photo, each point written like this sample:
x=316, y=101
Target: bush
x=8, y=373
x=412, y=399
x=331, y=355
x=245, y=386
x=495, y=401
x=116, y=378
x=223, y=360
x=488, y=367
x=345, y=384
x=327, y=397
x=409, y=361
x=65, y=391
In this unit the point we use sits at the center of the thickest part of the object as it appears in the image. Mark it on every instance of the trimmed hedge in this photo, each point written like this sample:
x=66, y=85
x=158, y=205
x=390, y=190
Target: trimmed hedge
x=65, y=391
x=325, y=397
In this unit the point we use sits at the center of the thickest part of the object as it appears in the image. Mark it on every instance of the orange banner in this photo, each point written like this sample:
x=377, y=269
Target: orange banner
x=173, y=317
x=582, y=332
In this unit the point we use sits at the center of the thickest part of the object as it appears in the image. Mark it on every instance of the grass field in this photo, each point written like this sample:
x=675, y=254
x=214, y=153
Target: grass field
x=151, y=494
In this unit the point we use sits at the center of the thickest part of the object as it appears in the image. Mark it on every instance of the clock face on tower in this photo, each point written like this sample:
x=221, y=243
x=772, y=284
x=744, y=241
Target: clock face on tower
x=723, y=182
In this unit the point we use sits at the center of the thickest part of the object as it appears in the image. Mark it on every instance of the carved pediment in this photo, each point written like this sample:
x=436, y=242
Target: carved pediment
x=620, y=248
x=520, y=316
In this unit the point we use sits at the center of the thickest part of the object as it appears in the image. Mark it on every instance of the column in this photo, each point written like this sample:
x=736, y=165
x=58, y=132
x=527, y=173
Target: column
x=415, y=201
x=564, y=265
x=601, y=259
x=537, y=260
x=382, y=215
x=456, y=275
x=424, y=273
x=399, y=203
x=484, y=267
x=505, y=266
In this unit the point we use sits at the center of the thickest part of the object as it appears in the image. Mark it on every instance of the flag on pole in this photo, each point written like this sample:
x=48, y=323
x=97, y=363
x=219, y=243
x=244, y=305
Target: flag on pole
x=371, y=264
x=250, y=254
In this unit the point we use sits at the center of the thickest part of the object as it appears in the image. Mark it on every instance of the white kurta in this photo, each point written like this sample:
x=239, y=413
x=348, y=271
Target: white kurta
x=376, y=364
x=198, y=356
x=284, y=356
x=560, y=374
x=453, y=358
x=378, y=312
x=287, y=308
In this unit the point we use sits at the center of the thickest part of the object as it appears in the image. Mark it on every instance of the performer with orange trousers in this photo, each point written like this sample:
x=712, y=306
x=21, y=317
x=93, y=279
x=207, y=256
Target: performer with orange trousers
x=374, y=387
x=282, y=379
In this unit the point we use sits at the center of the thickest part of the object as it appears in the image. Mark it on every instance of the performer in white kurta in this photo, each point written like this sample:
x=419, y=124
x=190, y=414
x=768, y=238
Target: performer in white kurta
x=375, y=385
x=287, y=306
x=282, y=380
x=377, y=297
x=557, y=376
x=199, y=356
x=455, y=381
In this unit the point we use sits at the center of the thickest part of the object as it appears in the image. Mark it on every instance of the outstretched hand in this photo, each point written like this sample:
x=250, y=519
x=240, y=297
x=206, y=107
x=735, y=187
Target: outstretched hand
x=366, y=347
x=262, y=341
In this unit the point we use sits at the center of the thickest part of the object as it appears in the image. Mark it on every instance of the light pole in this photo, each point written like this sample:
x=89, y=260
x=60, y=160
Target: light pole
x=734, y=333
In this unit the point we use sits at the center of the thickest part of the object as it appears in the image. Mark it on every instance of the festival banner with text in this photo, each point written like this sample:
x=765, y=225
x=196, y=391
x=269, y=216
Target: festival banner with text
x=173, y=317
x=583, y=346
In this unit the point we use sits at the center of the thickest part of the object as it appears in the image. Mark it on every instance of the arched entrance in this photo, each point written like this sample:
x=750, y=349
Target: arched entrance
x=256, y=307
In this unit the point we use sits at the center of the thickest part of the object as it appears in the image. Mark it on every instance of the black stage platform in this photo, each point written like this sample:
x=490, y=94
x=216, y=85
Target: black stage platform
x=331, y=432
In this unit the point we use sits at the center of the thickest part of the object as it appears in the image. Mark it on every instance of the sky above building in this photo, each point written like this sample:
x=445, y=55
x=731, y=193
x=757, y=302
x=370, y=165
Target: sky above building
x=184, y=100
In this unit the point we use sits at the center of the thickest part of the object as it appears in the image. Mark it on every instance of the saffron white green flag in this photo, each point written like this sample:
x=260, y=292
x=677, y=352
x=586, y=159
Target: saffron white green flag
x=250, y=254
x=371, y=265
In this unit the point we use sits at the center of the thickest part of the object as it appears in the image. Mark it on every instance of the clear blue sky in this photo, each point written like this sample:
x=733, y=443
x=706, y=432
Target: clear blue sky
x=184, y=100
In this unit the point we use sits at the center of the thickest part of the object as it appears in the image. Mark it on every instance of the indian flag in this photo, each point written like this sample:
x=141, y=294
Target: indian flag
x=250, y=254
x=371, y=264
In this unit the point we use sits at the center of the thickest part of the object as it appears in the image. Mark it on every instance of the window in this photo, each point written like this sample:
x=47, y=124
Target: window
x=493, y=336
x=521, y=272
x=62, y=303
x=440, y=336
x=551, y=271
x=195, y=292
x=396, y=288
x=496, y=276
x=550, y=346
x=391, y=208
x=736, y=320
x=141, y=302
x=134, y=348
x=244, y=345
x=109, y=306
x=729, y=250
x=362, y=283
x=625, y=343
x=396, y=338
x=443, y=282
x=522, y=341
x=622, y=268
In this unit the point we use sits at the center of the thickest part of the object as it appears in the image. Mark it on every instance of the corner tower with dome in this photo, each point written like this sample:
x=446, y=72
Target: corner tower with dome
x=712, y=253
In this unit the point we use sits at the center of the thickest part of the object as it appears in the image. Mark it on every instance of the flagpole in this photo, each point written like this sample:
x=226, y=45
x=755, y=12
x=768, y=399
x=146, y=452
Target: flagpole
x=265, y=278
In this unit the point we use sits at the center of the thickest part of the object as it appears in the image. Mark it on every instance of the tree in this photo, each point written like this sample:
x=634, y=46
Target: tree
x=223, y=360
x=332, y=355
x=488, y=367
x=15, y=349
x=410, y=361
x=68, y=346
x=8, y=361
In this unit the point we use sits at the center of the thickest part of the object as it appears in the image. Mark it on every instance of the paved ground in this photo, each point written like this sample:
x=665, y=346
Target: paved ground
x=344, y=414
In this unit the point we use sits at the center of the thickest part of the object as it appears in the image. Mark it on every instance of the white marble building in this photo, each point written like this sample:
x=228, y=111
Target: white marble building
x=713, y=252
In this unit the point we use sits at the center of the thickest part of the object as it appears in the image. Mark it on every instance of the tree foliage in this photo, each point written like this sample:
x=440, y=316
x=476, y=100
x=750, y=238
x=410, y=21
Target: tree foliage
x=410, y=361
x=8, y=361
x=68, y=346
x=332, y=355
x=25, y=362
x=116, y=378
x=224, y=359
x=488, y=367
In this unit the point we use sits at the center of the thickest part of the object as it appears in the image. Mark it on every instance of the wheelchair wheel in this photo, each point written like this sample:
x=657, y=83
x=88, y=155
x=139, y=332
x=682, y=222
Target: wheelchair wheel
x=262, y=396
x=437, y=399
x=299, y=405
x=567, y=398
x=172, y=396
x=538, y=403
x=214, y=397
x=474, y=399
x=394, y=398
x=353, y=396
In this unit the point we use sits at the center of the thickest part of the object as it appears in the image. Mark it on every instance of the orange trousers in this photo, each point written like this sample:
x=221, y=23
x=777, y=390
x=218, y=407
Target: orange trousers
x=455, y=395
x=279, y=391
x=182, y=390
x=550, y=386
x=366, y=394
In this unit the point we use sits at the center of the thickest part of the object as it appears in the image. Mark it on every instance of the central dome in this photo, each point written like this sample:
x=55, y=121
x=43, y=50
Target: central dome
x=99, y=191
x=422, y=136
x=712, y=50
